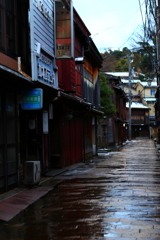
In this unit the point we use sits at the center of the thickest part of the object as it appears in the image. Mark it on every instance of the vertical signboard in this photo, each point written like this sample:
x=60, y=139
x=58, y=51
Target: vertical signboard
x=42, y=42
x=64, y=31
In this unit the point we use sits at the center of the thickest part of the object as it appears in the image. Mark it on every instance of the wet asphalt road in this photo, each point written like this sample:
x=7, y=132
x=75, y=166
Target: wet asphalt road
x=115, y=197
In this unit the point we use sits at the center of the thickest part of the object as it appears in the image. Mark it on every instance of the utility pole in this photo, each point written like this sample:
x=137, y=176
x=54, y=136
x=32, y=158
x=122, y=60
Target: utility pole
x=130, y=56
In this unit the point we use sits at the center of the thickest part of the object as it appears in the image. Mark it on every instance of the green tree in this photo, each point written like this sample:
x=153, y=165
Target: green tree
x=144, y=58
x=109, y=61
x=115, y=61
x=122, y=65
x=106, y=97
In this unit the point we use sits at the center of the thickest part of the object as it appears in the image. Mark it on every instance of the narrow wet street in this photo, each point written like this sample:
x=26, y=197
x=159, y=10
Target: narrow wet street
x=117, y=196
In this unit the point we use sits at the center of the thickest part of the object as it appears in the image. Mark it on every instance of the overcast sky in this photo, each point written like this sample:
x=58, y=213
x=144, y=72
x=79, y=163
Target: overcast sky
x=111, y=22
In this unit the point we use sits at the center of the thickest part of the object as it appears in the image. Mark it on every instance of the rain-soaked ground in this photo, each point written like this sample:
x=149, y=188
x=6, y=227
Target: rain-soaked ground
x=116, y=196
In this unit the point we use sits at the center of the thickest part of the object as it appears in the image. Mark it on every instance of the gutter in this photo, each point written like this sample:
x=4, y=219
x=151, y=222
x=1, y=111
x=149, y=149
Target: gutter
x=14, y=73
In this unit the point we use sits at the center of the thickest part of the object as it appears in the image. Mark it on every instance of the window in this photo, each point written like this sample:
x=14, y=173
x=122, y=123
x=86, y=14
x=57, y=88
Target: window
x=1, y=25
x=7, y=27
x=152, y=92
x=137, y=118
x=14, y=30
x=23, y=33
x=10, y=27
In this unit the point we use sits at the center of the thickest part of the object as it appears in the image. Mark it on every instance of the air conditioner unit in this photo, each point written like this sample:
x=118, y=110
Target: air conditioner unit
x=31, y=172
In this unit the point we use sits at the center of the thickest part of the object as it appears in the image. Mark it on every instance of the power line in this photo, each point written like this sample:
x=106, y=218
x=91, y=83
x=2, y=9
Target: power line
x=116, y=23
x=140, y=6
x=111, y=28
x=123, y=43
x=130, y=35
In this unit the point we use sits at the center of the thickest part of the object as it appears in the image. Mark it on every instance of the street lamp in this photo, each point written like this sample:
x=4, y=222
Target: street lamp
x=149, y=81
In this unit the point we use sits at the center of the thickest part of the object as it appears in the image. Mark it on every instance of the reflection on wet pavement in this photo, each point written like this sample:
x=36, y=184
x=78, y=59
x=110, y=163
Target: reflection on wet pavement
x=116, y=198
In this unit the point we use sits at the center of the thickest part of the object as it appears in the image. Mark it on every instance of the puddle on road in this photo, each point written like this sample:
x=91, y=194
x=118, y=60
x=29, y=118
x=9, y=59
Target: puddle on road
x=82, y=208
x=108, y=153
x=76, y=171
x=120, y=204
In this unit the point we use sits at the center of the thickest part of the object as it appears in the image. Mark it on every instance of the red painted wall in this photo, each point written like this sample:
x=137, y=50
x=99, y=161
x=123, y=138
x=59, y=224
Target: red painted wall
x=73, y=141
x=66, y=75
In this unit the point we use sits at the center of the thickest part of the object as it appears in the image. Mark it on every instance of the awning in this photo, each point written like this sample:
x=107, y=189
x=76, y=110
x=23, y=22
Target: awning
x=80, y=101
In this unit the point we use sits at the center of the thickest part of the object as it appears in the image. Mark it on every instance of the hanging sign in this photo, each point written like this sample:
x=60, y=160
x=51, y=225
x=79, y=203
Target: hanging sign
x=32, y=99
x=42, y=42
x=64, y=31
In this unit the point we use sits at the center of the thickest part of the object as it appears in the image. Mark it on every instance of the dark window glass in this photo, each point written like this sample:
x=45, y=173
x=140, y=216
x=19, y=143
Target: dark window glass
x=0, y=27
x=10, y=27
x=10, y=5
x=10, y=113
x=1, y=122
x=10, y=30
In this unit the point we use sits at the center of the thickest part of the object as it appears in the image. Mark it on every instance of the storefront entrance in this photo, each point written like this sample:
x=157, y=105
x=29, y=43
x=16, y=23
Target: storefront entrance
x=8, y=142
x=34, y=143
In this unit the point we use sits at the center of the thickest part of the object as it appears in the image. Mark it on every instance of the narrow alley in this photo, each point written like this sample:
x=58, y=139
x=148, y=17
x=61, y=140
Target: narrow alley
x=116, y=196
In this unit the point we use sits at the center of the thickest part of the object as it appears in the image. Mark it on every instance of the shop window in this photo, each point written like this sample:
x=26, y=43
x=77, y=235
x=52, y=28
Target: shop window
x=1, y=163
x=1, y=123
x=10, y=114
x=1, y=139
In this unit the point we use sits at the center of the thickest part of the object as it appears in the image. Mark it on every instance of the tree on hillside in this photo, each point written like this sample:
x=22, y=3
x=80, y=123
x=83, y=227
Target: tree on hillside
x=115, y=61
x=109, y=61
x=105, y=95
x=144, y=58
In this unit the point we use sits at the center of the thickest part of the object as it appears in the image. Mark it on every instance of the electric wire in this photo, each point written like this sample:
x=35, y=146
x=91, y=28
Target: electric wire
x=124, y=42
x=116, y=23
x=140, y=7
x=147, y=25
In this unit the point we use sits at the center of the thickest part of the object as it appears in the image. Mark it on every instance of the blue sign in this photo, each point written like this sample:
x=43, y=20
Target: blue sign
x=32, y=99
x=45, y=71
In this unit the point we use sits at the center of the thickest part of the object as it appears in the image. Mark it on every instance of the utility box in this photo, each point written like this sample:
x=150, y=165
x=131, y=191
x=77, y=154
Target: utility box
x=31, y=172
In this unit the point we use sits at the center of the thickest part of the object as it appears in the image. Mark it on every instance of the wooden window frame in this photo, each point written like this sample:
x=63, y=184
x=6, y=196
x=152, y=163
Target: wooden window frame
x=6, y=39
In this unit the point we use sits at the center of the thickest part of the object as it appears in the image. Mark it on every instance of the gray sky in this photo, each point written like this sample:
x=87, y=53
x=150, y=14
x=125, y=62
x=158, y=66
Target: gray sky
x=111, y=22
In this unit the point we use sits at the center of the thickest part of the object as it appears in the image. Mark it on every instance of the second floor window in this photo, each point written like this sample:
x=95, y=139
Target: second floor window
x=7, y=27
x=152, y=92
x=15, y=31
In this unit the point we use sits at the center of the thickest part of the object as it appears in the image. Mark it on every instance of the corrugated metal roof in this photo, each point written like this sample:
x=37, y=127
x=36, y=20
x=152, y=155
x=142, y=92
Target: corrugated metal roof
x=149, y=99
x=137, y=105
x=144, y=84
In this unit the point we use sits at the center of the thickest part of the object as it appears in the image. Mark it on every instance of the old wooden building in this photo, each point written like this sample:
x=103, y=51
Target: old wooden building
x=49, y=89
x=112, y=130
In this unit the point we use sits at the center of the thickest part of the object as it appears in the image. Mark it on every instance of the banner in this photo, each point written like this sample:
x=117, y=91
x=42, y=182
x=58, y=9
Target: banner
x=64, y=31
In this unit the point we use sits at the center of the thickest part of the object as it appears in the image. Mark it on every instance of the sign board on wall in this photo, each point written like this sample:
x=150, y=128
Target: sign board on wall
x=45, y=122
x=42, y=42
x=64, y=31
x=32, y=99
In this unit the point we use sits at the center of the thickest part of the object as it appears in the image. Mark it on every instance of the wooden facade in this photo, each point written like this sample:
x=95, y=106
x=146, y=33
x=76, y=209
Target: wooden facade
x=112, y=130
x=140, y=121
x=14, y=42
x=79, y=101
x=157, y=113
x=71, y=106
x=157, y=105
